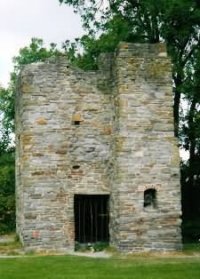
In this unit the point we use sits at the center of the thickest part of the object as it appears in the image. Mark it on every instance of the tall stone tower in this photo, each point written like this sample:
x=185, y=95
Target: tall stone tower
x=96, y=157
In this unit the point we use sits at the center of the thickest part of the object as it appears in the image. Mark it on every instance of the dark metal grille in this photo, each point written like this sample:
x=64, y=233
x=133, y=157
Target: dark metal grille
x=91, y=218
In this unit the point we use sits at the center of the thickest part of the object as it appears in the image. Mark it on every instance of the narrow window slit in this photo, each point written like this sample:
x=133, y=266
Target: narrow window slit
x=150, y=198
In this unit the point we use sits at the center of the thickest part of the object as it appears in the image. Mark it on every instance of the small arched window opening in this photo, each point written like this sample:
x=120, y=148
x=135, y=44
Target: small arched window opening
x=150, y=199
x=76, y=167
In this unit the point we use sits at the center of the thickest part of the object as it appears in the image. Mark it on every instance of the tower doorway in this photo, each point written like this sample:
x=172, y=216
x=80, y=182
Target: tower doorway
x=91, y=218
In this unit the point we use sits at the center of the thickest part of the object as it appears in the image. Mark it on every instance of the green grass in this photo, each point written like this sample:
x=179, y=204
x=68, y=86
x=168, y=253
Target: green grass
x=67, y=267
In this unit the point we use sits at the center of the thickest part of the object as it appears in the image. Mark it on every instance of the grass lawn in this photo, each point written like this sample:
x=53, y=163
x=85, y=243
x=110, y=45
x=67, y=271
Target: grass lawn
x=135, y=267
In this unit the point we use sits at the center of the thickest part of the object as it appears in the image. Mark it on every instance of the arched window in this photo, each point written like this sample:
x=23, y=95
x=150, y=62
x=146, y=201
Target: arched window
x=150, y=199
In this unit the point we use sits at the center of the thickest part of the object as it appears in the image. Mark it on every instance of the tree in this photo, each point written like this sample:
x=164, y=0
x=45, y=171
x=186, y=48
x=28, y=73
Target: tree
x=7, y=170
x=7, y=192
x=190, y=133
x=33, y=53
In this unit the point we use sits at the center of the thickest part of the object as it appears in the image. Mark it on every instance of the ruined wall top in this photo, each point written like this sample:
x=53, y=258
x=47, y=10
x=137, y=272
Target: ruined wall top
x=105, y=60
x=142, y=50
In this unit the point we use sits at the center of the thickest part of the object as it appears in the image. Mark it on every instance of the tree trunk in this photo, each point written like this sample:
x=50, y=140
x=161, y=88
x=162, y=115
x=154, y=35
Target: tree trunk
x=177, y=99
x=192, y=147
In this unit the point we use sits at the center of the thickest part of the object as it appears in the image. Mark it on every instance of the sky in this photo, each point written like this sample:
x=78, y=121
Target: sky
x=21, y=20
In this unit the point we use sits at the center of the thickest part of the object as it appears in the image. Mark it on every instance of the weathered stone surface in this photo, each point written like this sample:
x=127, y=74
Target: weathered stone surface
x=104, y=132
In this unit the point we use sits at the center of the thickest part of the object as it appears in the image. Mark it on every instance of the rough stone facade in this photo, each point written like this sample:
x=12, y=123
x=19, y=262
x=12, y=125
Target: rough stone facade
x=106, y=132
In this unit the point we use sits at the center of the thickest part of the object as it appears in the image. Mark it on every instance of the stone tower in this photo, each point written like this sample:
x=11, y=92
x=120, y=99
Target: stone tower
x=96, y=158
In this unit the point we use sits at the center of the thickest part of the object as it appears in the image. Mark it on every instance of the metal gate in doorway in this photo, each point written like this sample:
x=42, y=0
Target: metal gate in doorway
x=91, y=218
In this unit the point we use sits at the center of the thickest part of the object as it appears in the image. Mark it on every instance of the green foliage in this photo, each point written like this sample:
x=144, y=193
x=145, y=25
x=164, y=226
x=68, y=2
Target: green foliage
x=7, y=192
x=191, y=231
x=190, y=140
x=7, y=115
x=33, y=53
x=191, y=248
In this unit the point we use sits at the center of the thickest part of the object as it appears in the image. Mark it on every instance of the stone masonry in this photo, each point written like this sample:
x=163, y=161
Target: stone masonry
x=106, y=132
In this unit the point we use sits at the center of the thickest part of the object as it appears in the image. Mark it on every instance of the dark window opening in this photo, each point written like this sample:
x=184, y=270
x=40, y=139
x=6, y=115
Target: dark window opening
x=76, y=167
x=150, y=199
x=77, y=123
x=91, y=218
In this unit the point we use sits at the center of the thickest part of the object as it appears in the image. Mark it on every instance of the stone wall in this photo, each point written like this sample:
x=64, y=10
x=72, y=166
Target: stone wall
x=104, y=132
x=147, y=155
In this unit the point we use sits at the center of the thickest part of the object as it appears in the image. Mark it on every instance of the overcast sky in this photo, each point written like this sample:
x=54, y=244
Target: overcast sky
x=21, y=20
